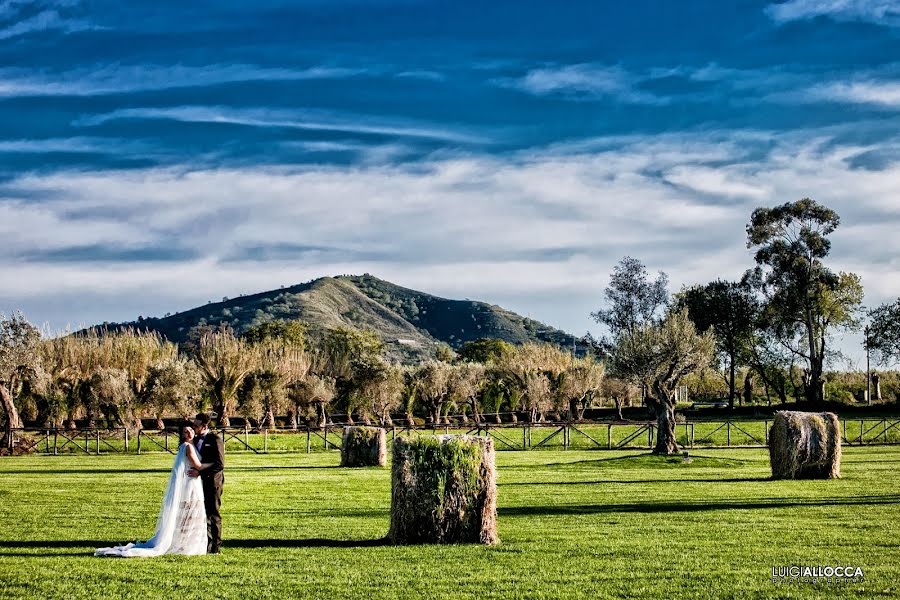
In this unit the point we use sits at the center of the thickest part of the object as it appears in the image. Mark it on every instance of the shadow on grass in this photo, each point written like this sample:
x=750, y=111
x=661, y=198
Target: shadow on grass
x=305, y=543
x=648, y=459
x=92, y=545
x=159, y=470
x=691, y=506
x=627, y=481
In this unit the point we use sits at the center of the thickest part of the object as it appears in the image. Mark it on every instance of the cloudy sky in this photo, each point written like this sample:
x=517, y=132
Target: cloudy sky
x=157, y=155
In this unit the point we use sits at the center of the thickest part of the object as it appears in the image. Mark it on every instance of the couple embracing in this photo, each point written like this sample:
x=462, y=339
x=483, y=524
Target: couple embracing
x=189, y=522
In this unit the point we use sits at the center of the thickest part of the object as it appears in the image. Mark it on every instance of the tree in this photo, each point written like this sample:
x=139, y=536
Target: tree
x=349, y=356
x=444, y=353
x=314, y=392
x=804, y=298
x=109, y=393
x=19, y=355
x=433, y=384
x=632, y=300
x=264, y=391
x=466, y=382
x=581, y=381
x=532, y=374
x=658, y=356
x=730, y=310
x=289, y=333
x=383, y=391
x=173, y=388
x=224, y=362
x=883, y=333
x=485, y=350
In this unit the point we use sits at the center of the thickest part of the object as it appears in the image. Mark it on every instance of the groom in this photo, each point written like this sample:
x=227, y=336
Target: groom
x=211, y=449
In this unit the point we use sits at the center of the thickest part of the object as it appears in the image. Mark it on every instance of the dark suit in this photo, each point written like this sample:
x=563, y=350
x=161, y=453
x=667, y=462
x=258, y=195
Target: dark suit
x=212, y=451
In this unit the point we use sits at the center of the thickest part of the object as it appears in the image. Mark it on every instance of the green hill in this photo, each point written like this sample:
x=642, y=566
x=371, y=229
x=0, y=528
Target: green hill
x=411, y=323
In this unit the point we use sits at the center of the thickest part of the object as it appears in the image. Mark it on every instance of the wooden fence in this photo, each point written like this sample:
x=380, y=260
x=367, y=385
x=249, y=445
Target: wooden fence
x=618, y=435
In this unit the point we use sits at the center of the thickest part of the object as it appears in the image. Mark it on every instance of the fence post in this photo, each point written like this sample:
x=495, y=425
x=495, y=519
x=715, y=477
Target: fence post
x=126, y=440
x=766, y=430
x=861, y=431
x=326, y=437
x=55, y=434
x=845, y=431
x=884, y=431
x=650, y=436
x=609, y=436
x=728, y=433
x=692, y=435
x=307, y=439
x=139, y=442
x=98, y=442
x=524, y=437
x=266, y=439
x=246, y=436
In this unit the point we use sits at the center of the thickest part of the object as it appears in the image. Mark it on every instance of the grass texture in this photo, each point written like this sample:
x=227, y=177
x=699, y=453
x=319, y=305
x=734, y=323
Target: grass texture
x=573, y=524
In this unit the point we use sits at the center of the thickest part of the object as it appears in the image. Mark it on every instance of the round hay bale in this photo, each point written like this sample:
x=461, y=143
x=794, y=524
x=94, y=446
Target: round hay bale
x=805, y=445
x=443, y=490
x=363, y=447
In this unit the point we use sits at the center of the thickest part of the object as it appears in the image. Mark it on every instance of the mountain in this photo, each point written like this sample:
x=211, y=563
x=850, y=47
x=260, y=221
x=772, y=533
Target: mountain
x=410, y=322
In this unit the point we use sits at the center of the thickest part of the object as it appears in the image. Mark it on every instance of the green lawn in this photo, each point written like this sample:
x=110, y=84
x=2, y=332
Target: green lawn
x=572, y=524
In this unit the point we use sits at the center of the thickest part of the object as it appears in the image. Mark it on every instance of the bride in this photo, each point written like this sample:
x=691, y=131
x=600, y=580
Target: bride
x=181, y=527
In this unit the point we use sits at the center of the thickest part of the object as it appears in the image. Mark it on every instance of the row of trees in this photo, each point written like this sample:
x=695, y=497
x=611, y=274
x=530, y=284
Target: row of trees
x=276, y=369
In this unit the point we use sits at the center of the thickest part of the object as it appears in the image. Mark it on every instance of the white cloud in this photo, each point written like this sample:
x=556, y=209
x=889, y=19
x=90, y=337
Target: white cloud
x=883, y=12
x=45, y=20
x=117, y=78
x=545, y=224
x=877, y=93
x=584, y=81
x=294, y=119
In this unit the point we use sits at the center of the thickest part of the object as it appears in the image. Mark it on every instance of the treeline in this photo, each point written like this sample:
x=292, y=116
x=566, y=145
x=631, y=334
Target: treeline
x=118, y=377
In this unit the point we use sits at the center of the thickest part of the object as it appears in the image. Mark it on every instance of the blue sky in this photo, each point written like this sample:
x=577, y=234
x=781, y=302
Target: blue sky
x=154, y=156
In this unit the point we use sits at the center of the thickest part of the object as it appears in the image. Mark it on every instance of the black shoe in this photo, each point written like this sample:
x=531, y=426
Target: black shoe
x=214, y=551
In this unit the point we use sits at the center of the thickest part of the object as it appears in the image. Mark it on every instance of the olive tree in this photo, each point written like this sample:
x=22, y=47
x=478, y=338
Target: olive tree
x=19, y=355
x=658, y=356
x=173, y=388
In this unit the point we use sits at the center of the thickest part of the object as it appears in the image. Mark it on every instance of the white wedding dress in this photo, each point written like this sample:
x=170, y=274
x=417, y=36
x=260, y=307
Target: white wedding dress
x=181, y=527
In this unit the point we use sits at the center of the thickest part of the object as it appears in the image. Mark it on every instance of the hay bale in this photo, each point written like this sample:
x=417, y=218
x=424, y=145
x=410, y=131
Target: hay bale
x=805, y=446
x=443, y=490
x=363, y=447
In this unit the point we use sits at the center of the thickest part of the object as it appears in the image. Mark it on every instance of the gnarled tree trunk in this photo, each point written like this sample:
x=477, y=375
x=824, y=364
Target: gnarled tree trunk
x=13, y=421
x=664, y=407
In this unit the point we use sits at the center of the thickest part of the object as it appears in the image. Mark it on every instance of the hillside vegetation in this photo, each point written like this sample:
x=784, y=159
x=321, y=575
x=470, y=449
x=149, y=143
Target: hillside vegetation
x=411, y=323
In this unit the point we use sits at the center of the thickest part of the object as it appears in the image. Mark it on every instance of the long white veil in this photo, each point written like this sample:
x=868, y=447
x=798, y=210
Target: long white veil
x=167, y=522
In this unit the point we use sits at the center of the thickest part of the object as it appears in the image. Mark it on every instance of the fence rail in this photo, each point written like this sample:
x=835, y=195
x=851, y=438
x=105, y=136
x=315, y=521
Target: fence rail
x=583, y=435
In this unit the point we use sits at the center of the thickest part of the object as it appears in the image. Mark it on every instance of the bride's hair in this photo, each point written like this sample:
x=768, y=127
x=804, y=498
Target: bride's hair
x=183, y=433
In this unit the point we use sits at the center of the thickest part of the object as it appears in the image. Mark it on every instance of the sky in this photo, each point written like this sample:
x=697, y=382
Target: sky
x=158, y=155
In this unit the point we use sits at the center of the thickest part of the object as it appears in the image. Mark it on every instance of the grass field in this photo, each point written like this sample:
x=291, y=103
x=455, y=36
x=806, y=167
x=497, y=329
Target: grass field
x=572, y=524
